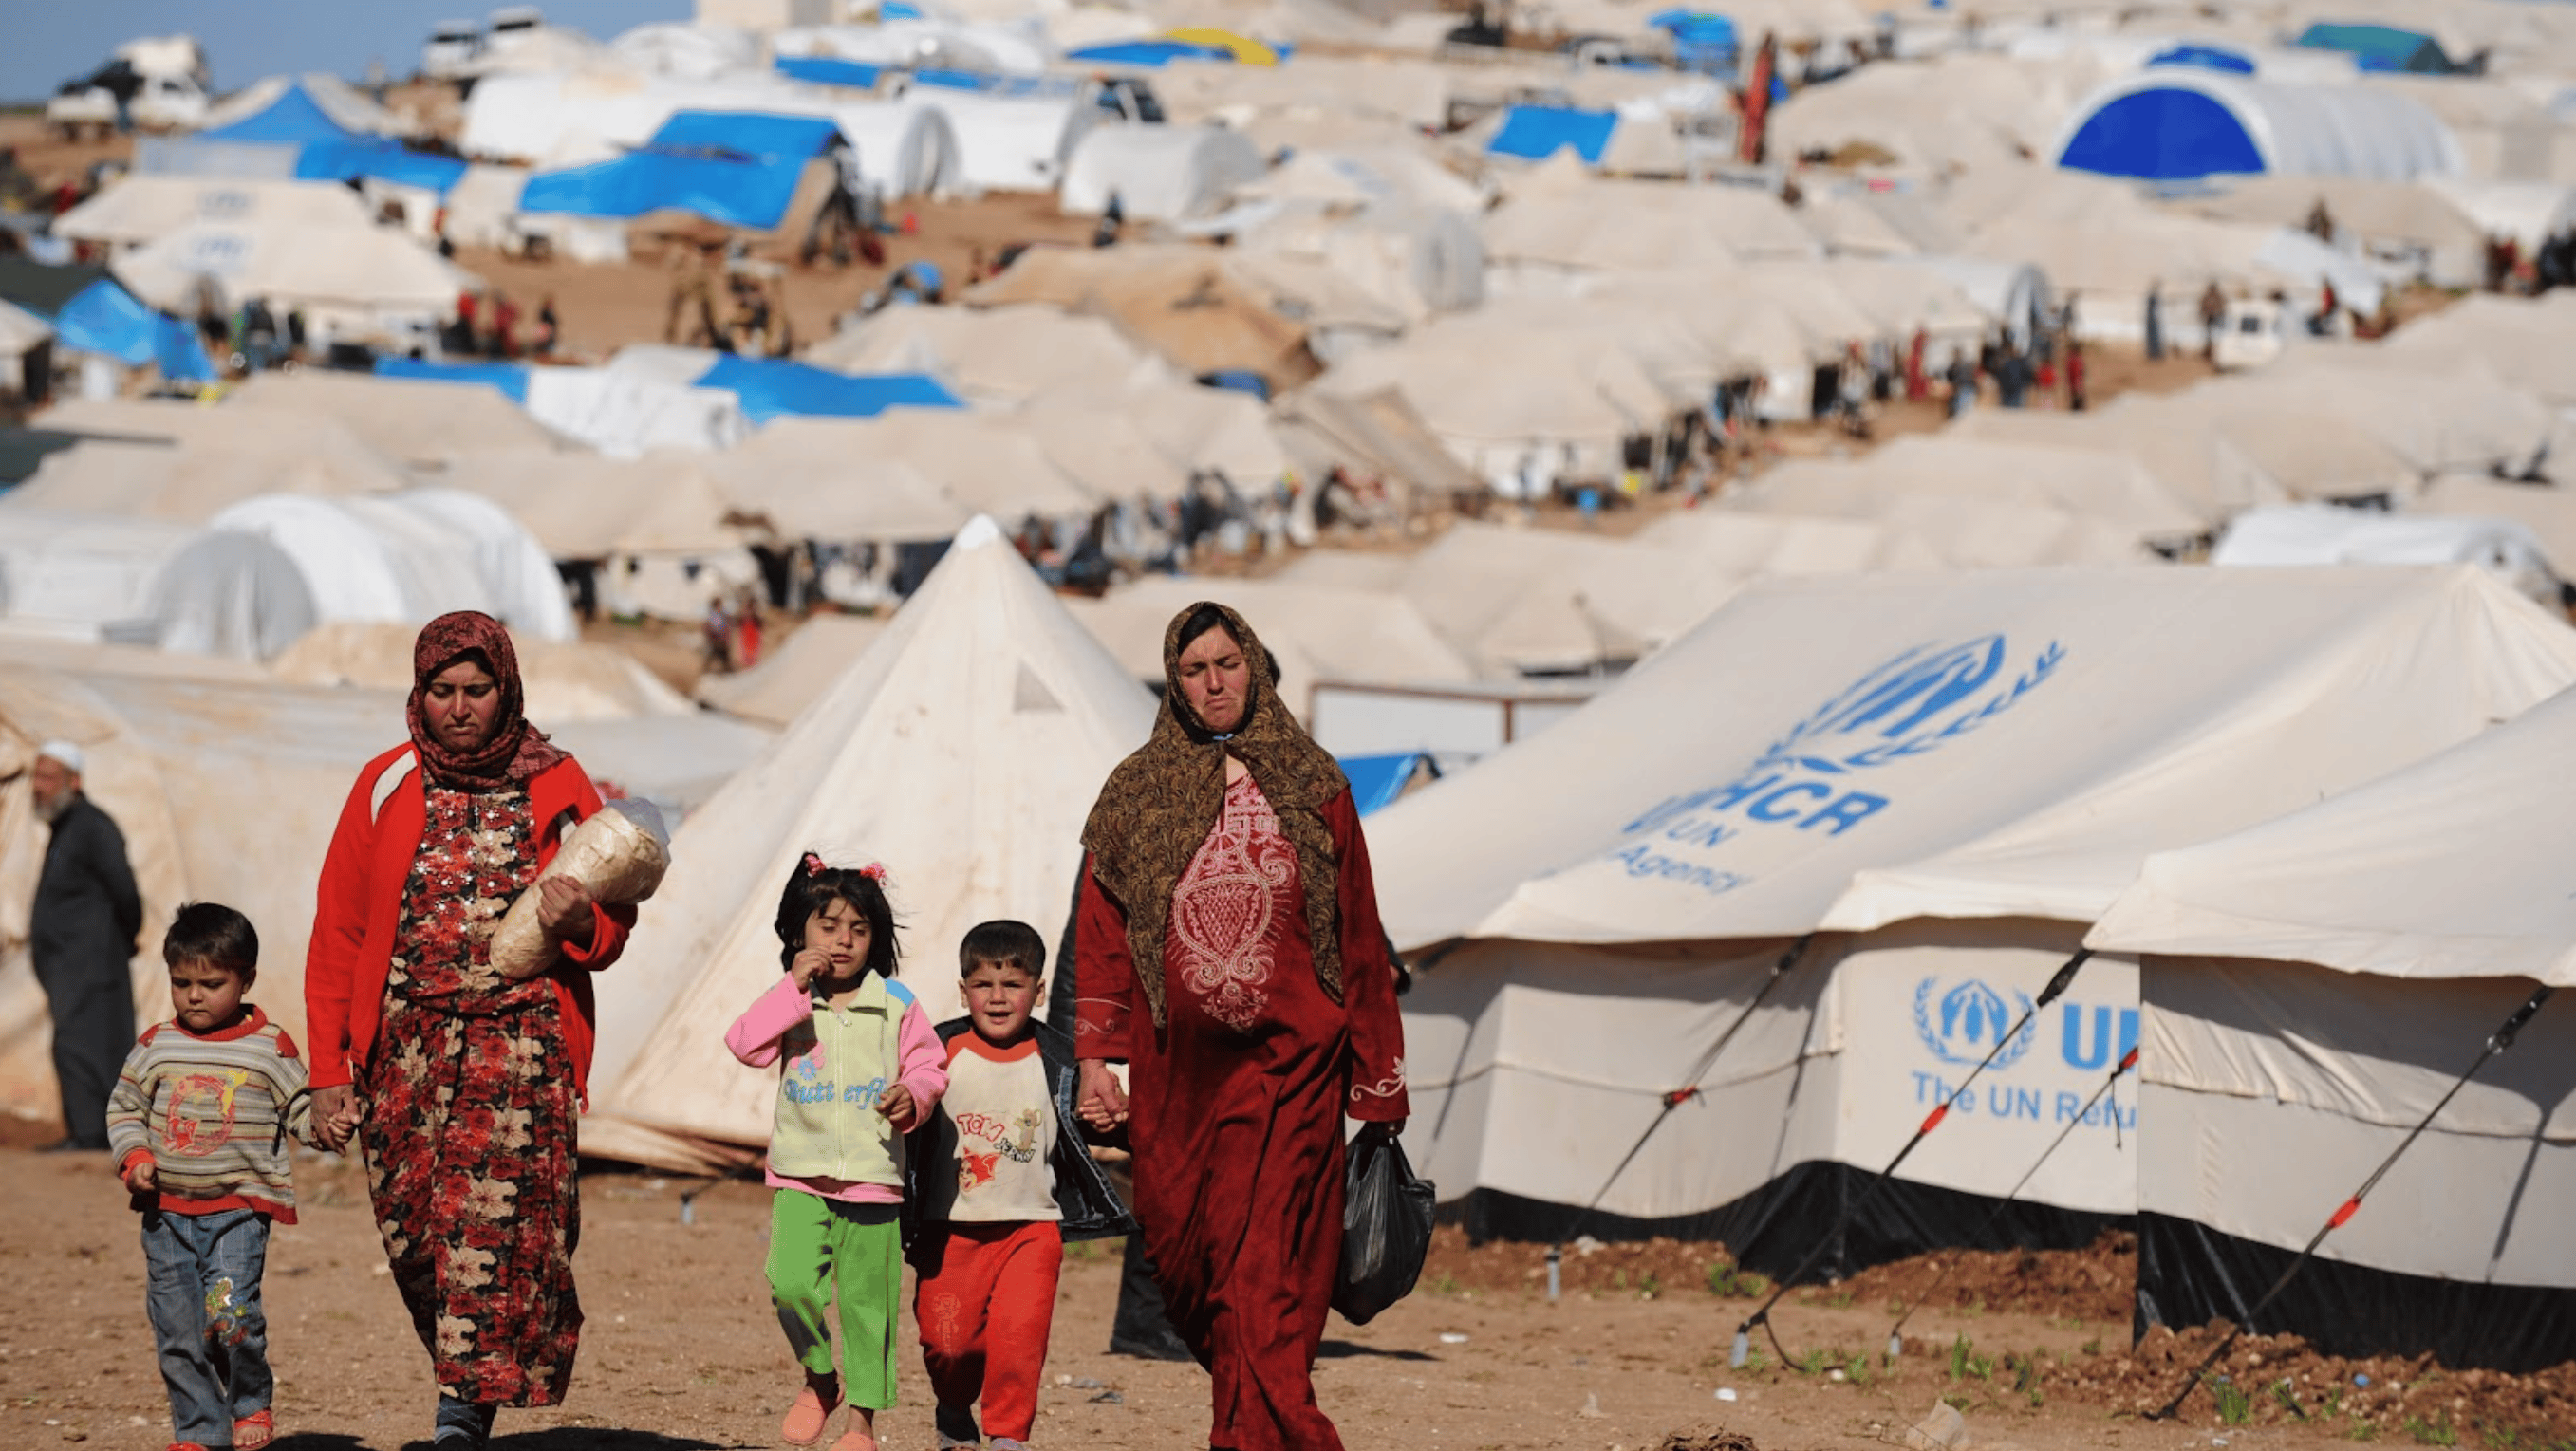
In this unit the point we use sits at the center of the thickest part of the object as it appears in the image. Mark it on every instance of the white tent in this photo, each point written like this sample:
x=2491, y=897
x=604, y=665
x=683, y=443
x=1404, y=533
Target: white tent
x=400, y=558
x=2182, y=121
x=1946, y=776
x=2307, y=534
x=991, y=355
x=906, y=146
x=1157, y=173
x=2314, y=985
x=147, y=207
x=227, y=787
x=355, y=276
x=963, y=750
x=625, y=415
x=1012, y=143
x=406, y=421
x=75, y=570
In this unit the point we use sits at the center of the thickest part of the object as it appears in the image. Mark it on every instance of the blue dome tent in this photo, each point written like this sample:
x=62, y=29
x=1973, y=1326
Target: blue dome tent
x=2184, y=123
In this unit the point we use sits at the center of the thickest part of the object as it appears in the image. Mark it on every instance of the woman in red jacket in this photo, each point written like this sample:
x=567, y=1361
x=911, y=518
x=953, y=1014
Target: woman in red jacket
x=463, y=1085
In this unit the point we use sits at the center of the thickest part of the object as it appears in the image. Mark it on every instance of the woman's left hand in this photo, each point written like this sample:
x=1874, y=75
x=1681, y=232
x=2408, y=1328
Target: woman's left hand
x=565, y=910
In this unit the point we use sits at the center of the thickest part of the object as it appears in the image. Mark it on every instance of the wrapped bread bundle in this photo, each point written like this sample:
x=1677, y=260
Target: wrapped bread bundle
x=620, y=854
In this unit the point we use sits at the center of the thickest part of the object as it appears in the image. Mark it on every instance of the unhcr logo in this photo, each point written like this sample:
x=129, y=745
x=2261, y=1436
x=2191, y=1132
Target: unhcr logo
x=1965, y=1023
x=1812, y=778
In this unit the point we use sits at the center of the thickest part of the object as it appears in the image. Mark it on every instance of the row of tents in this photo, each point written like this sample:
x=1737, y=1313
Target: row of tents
x=2278, y=806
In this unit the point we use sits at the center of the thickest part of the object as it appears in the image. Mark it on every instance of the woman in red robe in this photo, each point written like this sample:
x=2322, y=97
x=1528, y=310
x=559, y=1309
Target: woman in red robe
x=1228, y=950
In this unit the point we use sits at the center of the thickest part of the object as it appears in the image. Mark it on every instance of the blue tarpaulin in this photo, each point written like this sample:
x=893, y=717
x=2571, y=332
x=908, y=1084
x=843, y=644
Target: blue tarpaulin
x=381, y=159
x=1148, y=53
x=828, y=70
x=2379, y=47
x=746, y=133
x=1240, y=380
x=1377, y=780
x=2205, y=57
x=770, y=387
x=1697, y=27
x=292, y=118
x=1539, y=132
x=2163, y=133
x=105, y=318
x=737, y=192
x=511, y=379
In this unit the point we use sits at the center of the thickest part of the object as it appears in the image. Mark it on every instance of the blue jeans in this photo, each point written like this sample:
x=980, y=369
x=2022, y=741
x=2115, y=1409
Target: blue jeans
x=202, y=1286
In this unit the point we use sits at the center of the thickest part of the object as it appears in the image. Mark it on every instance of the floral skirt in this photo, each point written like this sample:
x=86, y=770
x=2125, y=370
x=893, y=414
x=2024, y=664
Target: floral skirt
x=469, y=1134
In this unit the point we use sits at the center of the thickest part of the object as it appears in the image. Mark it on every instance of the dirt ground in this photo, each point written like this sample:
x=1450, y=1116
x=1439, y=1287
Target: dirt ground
x=681, y=1350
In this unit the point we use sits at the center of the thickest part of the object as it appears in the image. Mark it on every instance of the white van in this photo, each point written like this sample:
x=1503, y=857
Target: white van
x=2250, y=336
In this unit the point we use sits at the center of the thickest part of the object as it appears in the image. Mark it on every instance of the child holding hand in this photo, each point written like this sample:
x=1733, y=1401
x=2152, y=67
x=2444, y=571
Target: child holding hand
x=197, y=1126
x=1001, y=1181
x=861, y=1067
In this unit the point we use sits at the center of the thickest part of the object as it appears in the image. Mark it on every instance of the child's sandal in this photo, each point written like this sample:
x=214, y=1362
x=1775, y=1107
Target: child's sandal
x=254, y=1431
x=805, y=1421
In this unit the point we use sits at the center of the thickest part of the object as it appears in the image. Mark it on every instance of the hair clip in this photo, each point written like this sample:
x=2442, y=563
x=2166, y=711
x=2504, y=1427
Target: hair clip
x=813, y=865
x=874, y=872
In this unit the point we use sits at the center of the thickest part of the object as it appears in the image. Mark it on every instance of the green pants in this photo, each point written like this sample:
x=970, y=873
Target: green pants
x=818, y=1246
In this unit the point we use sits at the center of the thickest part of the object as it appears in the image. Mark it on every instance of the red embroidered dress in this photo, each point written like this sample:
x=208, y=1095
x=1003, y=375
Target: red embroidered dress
x=1237, y=1104
x=470, y=1118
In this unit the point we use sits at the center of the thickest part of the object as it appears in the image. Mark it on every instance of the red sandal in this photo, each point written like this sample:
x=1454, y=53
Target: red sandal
x=254, y=1431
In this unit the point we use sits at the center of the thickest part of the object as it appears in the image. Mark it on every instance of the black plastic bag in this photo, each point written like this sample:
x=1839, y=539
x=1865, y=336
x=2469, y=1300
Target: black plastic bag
x=1386, y=1228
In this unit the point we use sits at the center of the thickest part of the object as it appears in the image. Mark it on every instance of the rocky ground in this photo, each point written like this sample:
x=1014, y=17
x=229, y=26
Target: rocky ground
x=682, y=1351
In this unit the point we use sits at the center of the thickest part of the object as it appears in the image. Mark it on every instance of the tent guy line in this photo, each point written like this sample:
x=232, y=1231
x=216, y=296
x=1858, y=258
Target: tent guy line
x=2497, y=1042
x=1674, y=1099
x=1742, y=1350
x=2128, y=1061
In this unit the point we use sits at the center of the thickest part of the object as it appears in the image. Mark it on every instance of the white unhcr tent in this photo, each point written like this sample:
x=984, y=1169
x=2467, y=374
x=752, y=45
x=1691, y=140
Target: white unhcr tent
x=963, y=750
x=1944, y=778
x=1157, y=173
x=2313, y=985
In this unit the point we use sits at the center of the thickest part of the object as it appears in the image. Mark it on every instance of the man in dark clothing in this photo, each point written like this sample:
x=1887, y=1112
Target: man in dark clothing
x=86, y=918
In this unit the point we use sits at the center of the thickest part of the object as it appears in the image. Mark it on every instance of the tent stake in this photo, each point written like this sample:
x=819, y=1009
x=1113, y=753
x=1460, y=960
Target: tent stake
x=2497, y=1042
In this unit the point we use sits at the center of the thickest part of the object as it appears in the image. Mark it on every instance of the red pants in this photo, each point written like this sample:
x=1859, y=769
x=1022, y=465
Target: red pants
x=984, y=1301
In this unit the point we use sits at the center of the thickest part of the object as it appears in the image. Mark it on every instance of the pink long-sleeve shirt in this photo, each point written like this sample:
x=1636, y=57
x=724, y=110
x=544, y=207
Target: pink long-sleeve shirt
x=758, y=1038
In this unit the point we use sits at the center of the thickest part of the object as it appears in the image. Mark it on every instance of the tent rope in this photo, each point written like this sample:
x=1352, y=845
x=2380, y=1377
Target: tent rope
x=1675, y=1098
x=2128, y=1060
x=2497, y=1042
x=1742, y=1350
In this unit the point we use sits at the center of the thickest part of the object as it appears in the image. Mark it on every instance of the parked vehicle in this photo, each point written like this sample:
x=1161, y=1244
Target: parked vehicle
x=453, y=48
x=116, y=94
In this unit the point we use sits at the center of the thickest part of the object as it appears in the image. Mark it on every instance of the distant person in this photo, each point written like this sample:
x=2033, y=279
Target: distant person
x=1961, y=375
x=2155, y=322
x=2076, y=399
x=998, y=1181
x=1113, y=220
x=549, y=327
x=2213, y=314
x=505, y=328
x=1918, y=386
x=199, y=1124
x=81, y=936
x=859, y=1068
x=2013, y=377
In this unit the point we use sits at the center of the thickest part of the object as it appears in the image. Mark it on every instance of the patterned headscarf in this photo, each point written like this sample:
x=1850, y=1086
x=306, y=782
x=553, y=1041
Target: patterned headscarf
x=1159, y=805
x=515, y=751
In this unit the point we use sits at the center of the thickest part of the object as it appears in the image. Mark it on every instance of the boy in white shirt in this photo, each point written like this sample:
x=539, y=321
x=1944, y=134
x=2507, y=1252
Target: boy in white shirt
x=1002, y=1181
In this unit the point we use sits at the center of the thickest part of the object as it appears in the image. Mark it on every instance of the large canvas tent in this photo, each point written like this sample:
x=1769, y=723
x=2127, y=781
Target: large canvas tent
x=1941, y=778
x=963, y=749
x=2179, y=123
x=226, y=784
x=2313, y=985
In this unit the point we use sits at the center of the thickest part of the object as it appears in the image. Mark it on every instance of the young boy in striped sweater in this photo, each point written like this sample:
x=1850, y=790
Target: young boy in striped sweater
x=197, y=1128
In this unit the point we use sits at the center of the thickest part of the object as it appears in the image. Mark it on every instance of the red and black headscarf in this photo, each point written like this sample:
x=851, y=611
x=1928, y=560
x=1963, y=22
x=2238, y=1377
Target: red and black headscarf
x=516, y=751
